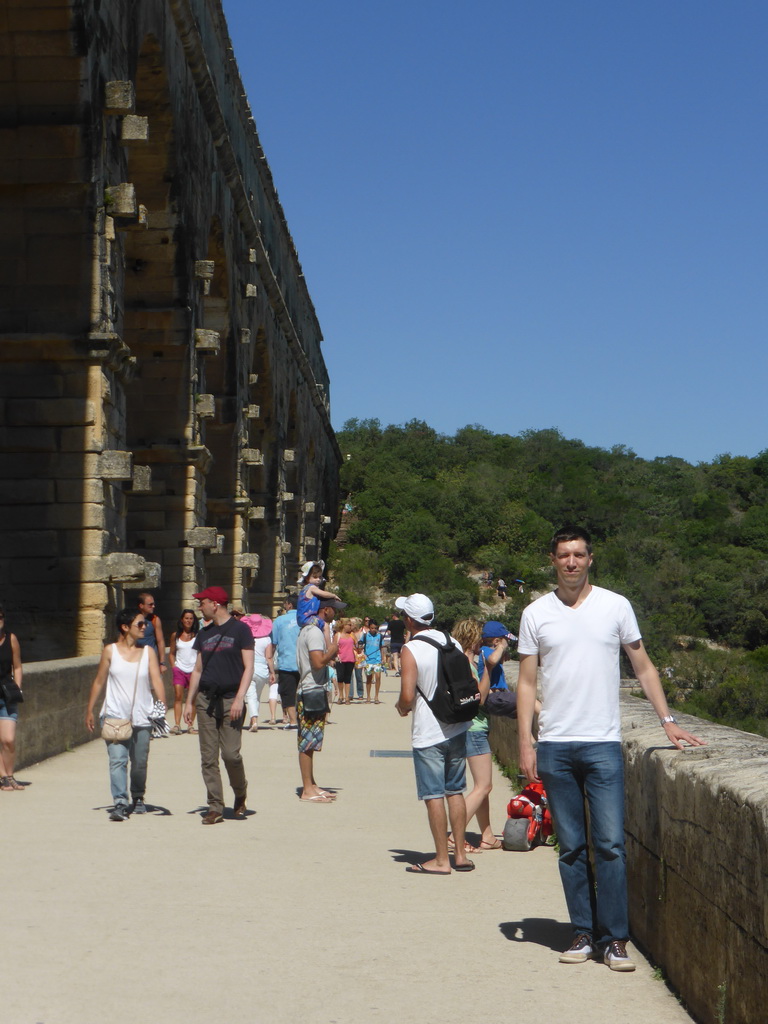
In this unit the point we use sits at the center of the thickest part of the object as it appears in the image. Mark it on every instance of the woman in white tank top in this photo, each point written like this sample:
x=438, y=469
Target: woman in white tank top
x=183, y=656
x=130, y=675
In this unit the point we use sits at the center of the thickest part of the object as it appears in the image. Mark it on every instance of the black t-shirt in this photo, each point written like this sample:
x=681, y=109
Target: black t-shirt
x=221, y=648
x=397, y=631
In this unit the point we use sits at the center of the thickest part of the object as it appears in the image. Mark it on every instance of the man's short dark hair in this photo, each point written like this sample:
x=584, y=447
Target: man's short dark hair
x=291, y=600
x=142, y=594
x=570, y=533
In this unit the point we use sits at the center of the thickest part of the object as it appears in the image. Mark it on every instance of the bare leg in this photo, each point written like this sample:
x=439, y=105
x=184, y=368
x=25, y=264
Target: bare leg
x=310, y=789
x=7, y=746
x=377, y=680
x=179, y=695
x=477, y=802
x=368, y=684
x=457, y=812
x=272, y=709
x=438, y=825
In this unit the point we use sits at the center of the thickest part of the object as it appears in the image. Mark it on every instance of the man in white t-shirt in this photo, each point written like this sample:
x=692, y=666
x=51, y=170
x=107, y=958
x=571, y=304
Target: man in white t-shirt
x=439, y=749
x=576, y=634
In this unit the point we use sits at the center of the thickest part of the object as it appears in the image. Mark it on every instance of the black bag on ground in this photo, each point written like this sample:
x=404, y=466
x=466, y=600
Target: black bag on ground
x=456, y=697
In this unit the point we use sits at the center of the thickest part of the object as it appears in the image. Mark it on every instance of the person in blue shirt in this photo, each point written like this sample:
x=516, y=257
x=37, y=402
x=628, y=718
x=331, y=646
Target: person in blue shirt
x=493, y=634
x=310, y=596
x=371, y=643
x=285, y=633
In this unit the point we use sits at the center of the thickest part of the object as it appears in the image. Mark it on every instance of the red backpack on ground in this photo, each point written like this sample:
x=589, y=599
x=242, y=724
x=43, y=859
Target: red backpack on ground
x=530, y=822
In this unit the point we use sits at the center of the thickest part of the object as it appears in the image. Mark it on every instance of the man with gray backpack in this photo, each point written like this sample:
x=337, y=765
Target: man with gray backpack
x=437, y=685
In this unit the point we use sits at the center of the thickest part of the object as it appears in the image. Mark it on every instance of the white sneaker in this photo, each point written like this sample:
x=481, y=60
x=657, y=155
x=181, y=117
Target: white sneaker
x=579, y=951
x=615, y=956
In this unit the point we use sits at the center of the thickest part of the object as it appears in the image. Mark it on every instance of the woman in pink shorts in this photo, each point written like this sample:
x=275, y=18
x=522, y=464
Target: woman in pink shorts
x=183, y=657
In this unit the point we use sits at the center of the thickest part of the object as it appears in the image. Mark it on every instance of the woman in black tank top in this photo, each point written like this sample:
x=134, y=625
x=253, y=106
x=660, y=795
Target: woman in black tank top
x=10, y=670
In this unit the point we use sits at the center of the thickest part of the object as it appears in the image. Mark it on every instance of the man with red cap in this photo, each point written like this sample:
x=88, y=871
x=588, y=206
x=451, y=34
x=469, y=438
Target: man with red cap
x=222, y=674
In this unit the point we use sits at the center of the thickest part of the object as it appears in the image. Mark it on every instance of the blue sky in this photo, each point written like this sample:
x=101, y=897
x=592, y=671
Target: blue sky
x=528, y=214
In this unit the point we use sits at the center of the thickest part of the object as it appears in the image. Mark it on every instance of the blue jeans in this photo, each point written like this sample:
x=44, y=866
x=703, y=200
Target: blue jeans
x=135, y=750
x=572, y=772
x=359, y=682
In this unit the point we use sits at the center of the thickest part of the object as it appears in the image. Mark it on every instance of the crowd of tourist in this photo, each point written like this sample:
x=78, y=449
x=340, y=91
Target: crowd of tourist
x=223, y=661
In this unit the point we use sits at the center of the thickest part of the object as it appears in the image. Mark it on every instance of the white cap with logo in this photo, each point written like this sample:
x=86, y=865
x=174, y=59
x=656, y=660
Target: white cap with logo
x=417, y=607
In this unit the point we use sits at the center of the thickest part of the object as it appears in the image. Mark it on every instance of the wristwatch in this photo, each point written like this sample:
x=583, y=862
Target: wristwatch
x=667, y=719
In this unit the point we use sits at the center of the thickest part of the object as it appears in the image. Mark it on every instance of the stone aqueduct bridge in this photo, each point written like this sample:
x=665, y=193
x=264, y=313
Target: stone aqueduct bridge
x=164, y=402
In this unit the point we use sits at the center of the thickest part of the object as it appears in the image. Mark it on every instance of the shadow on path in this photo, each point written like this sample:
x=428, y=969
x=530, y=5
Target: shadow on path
x=543, y=931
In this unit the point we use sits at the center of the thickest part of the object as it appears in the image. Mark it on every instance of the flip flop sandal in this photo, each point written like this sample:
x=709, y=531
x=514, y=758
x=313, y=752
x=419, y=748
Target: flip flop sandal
x=419, y=869
x=468, y=847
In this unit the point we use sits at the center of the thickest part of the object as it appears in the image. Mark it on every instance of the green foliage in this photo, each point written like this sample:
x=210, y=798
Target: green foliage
x=687, y=544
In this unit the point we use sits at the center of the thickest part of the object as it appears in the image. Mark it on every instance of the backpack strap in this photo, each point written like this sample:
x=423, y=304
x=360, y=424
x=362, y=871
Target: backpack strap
x=432, y=643
x=435, y=643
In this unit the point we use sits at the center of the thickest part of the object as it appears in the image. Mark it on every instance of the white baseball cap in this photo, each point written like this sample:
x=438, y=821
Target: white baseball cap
x=417, y=607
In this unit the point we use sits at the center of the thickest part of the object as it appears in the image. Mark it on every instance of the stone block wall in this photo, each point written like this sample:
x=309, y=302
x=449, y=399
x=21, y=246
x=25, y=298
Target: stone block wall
x=52, y=717
x=697, y=858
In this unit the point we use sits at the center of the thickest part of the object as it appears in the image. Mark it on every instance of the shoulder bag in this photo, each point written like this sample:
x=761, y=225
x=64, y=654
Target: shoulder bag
x=118, y=730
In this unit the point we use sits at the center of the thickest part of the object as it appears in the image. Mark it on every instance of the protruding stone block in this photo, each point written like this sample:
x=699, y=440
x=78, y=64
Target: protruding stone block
x=309, y=541
x=119, y=97
x=251, y=291
x=202, y=537
x=252, y=412
x=207, y=341
x=116, y=465
x=252, y=457
x=134, y=129
x=251, y=255
x=286, y=547
x=141, y=482
x=253, y=378
x=153, y=575
x=309, y=506
x=286, y=495
x=257, y=512
x=122, y=566
x=120, y=200
x=325, y=520
x=248, y=560
x=289, y=455
x=138, y=223
x=245, y=336
x=205, y=406
x=204, y=269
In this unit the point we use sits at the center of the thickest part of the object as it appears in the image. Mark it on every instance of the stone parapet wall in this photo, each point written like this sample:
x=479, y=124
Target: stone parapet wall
x=52, y=717
x=697, y=858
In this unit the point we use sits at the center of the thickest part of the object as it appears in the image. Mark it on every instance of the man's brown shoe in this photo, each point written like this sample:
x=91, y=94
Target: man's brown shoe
x=212, y=818
x=239, y=810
